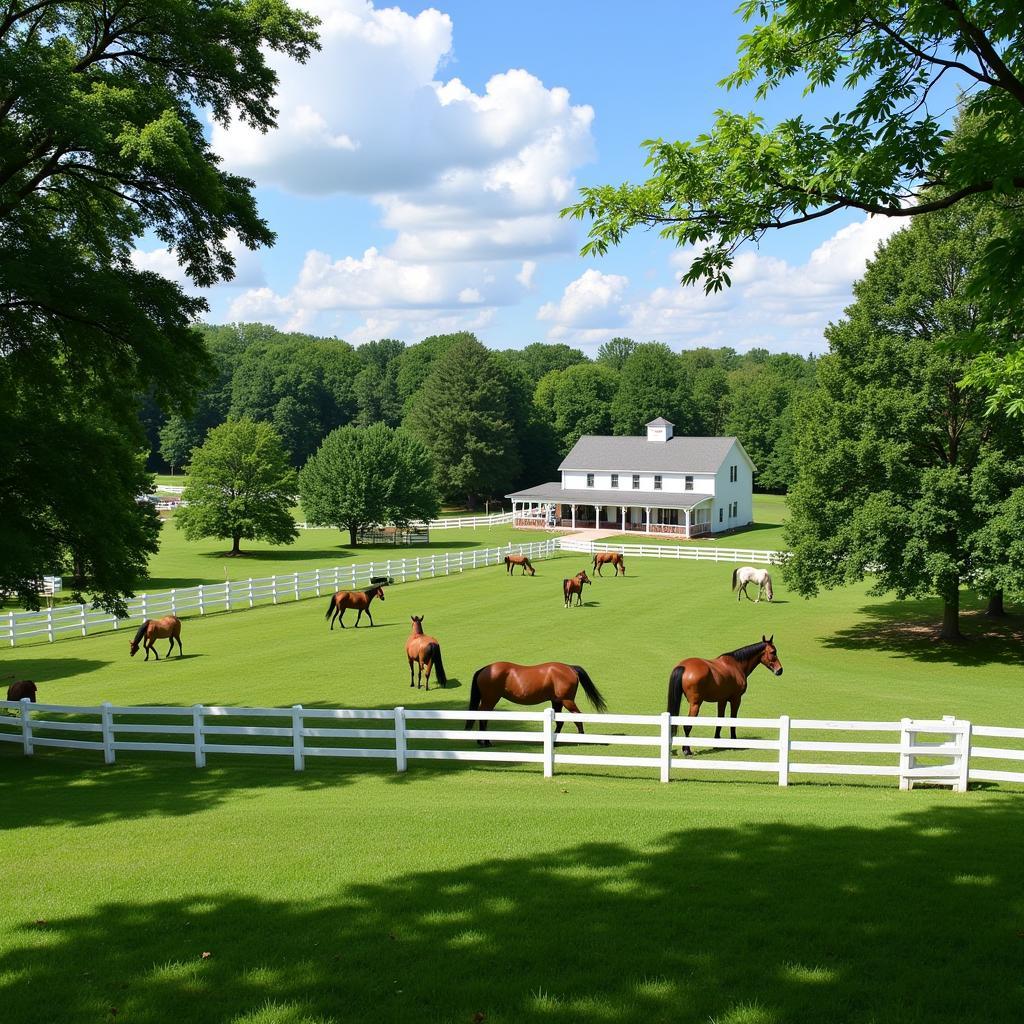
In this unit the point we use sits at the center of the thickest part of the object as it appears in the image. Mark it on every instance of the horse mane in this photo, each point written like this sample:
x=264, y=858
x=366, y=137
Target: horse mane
x=141, y=632
x=742, y=653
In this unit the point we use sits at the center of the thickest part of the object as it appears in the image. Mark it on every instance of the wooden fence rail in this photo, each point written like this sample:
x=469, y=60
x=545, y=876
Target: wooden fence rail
x=935, y=752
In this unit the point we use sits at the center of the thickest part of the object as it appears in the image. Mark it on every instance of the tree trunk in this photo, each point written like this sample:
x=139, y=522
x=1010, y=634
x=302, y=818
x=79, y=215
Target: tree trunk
x=951, y=618
x=471, y=502
x=995, y=605
x=352, y=541
x=236, y=542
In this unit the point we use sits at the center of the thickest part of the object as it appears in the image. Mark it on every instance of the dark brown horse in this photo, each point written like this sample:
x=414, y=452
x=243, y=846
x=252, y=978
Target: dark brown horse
x=511, y=561
x=722, y=679
x=358, y=599
x=575, y=586
x=612, y=558
x=20, y=689
x=531, y=684
x=426, y=652
x=169, y=627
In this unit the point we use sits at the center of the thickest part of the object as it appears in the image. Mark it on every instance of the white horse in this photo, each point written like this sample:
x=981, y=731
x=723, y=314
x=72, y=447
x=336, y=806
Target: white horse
x=748, y=574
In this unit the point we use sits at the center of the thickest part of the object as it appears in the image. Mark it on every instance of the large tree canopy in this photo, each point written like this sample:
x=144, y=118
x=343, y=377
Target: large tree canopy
x=102, y=142
x=887, y=153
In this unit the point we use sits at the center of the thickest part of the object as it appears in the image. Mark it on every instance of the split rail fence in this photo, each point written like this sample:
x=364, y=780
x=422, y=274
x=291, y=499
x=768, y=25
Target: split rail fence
x=943, y=752
x=55, y=622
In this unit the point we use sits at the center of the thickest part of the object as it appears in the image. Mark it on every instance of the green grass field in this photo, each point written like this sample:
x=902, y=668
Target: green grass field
x=463, y=893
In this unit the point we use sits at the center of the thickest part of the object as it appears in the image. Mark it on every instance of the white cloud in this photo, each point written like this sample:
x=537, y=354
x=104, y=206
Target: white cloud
x=164, y=261
x=592, y=301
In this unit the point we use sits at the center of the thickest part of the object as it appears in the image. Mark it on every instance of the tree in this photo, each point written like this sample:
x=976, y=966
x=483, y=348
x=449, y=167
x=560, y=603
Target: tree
x=614, y=353
x=886, y=154
x=177, y=439
x=651, y=385
x=417, y=360
x=577, y=401
x=240, y=486
x=540, y=358
x=361, y=477
x=463, y=414
x=102, y=141
x=710, y=400
x=376, y=385
x=890, y=454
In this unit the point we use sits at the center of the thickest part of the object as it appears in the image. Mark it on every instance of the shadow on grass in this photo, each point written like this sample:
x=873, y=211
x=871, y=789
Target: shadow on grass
x=911, y=630
x=915, y=922
x=42, y=670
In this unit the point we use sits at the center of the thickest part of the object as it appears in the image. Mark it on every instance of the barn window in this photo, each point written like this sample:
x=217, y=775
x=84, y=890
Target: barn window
x=615, y=479
x=720, y=514
x=657, y=483
x=590, y=479
x=636, y=481
x=689, y=483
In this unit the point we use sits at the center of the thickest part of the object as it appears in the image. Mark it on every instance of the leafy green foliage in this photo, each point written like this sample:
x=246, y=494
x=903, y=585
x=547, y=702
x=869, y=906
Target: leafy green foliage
x=371, y=476
x=538, y=359
x=240, y=486
x=177, y=439
x=577, y=401
x=614, y=353
x=652, y=384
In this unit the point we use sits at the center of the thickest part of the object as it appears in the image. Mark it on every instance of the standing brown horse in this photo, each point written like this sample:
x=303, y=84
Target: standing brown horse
x=20, y=689
x=531, y=684
x=424, y=650
x=511, y=561
x=722, y=679
x=169, y=627
x=575, y=586
x=358, y=599
x=612, y=558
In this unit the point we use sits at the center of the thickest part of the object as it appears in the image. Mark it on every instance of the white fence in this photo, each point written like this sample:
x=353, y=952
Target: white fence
x=449, y=523
x=693, y=552
x=404, y=734
x=54, y=622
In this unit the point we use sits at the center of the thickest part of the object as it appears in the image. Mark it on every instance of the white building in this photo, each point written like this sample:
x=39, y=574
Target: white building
x=653, y=484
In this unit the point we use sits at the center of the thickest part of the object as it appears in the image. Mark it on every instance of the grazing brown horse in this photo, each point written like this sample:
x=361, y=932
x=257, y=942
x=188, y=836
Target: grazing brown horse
x=511, y=561
x=722, y=679
x=20, y=689
x=575, y=586
x=531, y=684
x=169, y=627
x=612, y=558
x=358, y=599
x=424, y=650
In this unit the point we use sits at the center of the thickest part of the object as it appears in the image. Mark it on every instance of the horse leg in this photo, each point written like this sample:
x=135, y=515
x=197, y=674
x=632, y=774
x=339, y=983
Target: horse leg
x=760, y=587
x=370, y=617
x=721, y=714
x=485, y=706
x=341, y=617
x=181, y=653
x=557, y=705
x=692, y=713
x=430, y=665
x=570, y=706
x=170, y=649
x=734, y=707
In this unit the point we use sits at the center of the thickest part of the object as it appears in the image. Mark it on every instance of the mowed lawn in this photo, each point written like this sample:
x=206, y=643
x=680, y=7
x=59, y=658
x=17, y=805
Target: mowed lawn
x=461, y=894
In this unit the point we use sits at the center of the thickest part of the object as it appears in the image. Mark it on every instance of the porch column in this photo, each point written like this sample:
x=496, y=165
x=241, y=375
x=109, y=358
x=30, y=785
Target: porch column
x=648, y=511
x=597, y=517
x=514, y=503
x=687, y=511
x=573, y=507
x=623, y=510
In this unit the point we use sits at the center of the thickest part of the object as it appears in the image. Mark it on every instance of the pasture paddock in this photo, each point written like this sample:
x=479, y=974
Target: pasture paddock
x=344, y=893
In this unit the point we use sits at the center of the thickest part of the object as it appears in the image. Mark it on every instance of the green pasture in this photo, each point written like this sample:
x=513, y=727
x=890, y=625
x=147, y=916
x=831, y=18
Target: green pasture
x=487, y=893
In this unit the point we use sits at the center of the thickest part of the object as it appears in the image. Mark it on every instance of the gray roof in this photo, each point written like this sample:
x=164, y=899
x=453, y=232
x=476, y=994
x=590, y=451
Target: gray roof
x=638, y=455
x=660, y=422
x=554, y=491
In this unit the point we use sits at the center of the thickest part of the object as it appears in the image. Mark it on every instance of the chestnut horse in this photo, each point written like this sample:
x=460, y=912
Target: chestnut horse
x=575, y=586
x=511, y=561
x=358, y=599
x=20, y=689
x=169, y=627
x=612, y=558
x=424, y=650
x=531, y=684
x=722, y=679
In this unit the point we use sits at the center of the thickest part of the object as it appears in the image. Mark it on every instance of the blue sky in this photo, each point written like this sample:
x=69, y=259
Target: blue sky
x=422, y=157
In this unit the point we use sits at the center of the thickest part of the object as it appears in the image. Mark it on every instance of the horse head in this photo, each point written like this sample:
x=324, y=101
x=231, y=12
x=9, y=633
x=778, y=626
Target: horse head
x=133, y=648
x=379, y=592
x=530, y=569
x=770, y=655
x=583, y=577
x=417, y=623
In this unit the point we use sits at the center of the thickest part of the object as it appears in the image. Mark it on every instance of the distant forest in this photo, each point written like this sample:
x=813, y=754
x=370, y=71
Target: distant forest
x=521, y=410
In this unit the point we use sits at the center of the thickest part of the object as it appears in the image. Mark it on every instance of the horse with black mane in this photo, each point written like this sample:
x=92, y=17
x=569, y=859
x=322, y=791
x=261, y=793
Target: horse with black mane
x=613, y=558
x=169, y=627
x=722, y=679
x=511, y=561
x=531, y=684
x=426, y=652
x=358, y=599
x=20, y=689
x=575, y=586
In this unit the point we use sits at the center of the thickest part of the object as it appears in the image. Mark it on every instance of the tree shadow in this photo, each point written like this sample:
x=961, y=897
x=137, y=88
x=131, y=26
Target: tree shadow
x=911, y=630
x=914, y=922
x=42, y=670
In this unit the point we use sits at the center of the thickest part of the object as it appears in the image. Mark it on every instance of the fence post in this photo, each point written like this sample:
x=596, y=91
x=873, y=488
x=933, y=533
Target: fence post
x=906, y=760
x=666, y=745
x=198, y=735
x=273, y=587
x=26, y=728
x=964, y=763
x=400, y=740
x=202, y=610
x=318, y=583
x=298, y=742
x=783, y=750
x=10, y=626
x=549, y=742
x=250, y=591
x=296, y=586
x=107, y=725
x=49, y=622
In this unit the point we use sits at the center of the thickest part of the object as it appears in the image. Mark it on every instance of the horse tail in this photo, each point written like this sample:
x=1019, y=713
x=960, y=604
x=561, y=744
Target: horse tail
x=675, y=690
x=330, y=606
x=474, y=695
x=735, y=573
x=434, y=654
x=592, y=692
x=142, y=632
x=595, y=562
x=506, y=561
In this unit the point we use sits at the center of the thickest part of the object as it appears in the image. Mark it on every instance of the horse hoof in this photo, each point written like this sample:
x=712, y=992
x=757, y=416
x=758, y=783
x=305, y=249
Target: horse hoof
x=688, y=752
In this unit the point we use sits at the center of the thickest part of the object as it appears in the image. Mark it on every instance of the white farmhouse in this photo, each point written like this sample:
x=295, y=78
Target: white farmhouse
x=654, y=484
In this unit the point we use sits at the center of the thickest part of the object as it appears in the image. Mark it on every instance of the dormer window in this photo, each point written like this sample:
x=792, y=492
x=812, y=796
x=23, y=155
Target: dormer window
x=689, y=483
x=590, y=479
x=657, y=483
x=615, y=479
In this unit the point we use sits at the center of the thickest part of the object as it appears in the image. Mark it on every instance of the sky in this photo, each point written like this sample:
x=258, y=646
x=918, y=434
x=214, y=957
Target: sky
x=422, y=157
